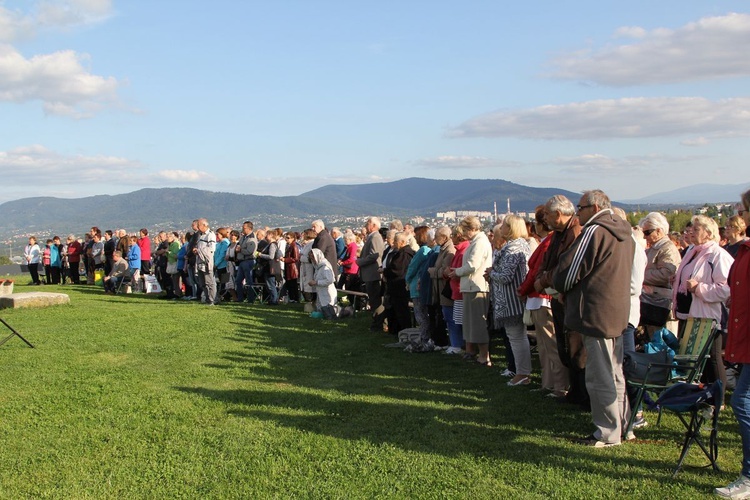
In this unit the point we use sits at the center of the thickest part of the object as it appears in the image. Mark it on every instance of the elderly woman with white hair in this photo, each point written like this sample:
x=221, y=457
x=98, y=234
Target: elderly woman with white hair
x=701, y=286
x=475, y=289
x=662, y=258
x=701, y=280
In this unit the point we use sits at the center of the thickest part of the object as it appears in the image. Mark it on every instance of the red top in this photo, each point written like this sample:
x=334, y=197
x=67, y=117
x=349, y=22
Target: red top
x=145, y=245
x=526, y=288
x=458, y=261
x=350, y=263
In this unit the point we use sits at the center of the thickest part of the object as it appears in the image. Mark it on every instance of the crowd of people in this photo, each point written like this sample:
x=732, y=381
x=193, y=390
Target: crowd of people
x=579, y=276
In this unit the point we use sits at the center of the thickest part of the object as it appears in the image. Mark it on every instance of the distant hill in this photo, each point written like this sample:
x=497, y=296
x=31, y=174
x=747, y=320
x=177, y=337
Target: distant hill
x=423, y=196
x=176, y=207
x=696, y=195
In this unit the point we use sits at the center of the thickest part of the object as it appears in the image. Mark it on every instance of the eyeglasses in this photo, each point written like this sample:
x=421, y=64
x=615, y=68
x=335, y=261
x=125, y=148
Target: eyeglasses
x=648, y=232
x=581, y=207
x=741, y=212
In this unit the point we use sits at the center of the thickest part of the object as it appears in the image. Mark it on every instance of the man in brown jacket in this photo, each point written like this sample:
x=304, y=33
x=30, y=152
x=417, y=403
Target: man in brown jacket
x=560, y=215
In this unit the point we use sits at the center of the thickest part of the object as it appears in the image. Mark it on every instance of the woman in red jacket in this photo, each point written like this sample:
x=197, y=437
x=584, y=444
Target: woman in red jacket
x=291, y=267
x=738, y=351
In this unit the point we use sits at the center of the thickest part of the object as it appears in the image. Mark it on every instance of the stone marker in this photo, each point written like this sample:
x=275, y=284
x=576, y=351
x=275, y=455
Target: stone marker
x=33, y=299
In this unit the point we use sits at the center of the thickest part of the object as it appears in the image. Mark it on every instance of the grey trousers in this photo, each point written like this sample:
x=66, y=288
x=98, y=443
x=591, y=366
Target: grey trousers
x=606, y=387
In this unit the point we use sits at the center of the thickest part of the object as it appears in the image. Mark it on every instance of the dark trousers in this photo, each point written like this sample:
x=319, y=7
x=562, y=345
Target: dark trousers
x=73, y=273
x=55, y=272
x=34, y=272
x=375, y=298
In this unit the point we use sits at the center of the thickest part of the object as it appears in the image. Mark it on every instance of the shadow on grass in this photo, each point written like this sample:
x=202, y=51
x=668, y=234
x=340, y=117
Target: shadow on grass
x=335, y=379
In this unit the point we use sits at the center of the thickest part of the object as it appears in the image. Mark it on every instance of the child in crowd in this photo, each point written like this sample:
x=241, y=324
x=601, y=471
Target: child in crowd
x=324, y=283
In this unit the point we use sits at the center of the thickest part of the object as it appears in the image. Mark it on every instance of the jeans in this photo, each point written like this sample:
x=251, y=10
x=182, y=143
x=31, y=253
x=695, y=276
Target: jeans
x=273, y=292
x=741, y=406
x=244, y=277
x=455, y=334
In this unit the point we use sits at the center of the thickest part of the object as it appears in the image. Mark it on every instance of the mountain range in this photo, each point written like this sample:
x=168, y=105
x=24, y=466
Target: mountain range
x=176, y=207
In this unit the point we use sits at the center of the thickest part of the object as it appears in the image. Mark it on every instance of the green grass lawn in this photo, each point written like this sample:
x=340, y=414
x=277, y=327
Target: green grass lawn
x=134, y=397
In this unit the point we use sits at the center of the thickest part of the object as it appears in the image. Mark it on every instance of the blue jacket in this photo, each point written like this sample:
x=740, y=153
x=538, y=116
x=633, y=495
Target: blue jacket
x=417, y=265
x=220, y=254
x=181, y=256
x=134, y=257
x=54, y=256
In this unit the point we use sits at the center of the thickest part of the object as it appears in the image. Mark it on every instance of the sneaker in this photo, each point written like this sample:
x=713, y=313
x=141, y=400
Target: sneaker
x=508, y=373
x=629, y=437
x=640, y=422
x=453, y=350
x=594, y=442
x=740, y=488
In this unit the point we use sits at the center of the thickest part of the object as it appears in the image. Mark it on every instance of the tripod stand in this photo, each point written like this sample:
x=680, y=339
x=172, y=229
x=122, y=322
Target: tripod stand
x=12, y=334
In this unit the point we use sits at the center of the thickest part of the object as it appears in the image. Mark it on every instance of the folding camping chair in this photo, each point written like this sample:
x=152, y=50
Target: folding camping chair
x=702, y=404
x=694, y=351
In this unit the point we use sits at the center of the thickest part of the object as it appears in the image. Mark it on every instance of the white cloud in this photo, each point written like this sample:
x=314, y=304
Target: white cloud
x=72, y=13
x=184, y=176
x=695, y=142
x=711, y=48
x=14, y=25
x=464, y=163
x=40, y=166
x=602, y=164
x=59, y=80
x=616, y=118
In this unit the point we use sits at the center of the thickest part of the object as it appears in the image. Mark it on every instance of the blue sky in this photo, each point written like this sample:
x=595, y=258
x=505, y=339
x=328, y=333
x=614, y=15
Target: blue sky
x=107, y=96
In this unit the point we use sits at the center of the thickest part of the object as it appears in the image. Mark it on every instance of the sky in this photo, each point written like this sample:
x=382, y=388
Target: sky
x=282, y=97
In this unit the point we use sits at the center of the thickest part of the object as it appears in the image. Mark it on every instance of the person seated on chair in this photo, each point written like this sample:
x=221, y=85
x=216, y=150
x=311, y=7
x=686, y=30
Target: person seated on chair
x=119, y=268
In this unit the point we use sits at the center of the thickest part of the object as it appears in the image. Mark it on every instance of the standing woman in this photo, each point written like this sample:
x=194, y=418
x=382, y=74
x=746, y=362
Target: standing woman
x=509, y=270
x=475, y=289
x=735, y=233
x=738, y=351
x=33, y=255
x=291, y=267
x=73, y=253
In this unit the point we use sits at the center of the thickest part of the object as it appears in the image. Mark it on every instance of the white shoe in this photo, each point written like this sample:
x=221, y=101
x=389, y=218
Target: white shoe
x=740, y=488
x=507, y=373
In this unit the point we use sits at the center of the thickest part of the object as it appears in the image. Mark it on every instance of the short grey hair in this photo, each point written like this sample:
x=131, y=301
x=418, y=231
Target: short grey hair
x=597, y=197
x=375, y=221
x=655, y=220
x=318, y=222
x=444, y=231
x=562, y=204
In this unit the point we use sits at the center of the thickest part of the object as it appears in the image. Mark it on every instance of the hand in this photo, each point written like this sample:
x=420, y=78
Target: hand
x=538, y=286
x=311, y=283
x=692, y=284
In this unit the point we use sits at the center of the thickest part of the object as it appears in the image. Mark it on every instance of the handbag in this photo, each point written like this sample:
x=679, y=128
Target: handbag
x=172, y=267
x=527, y=318
x=683, y=302
x=635, y=367
x=447, y=292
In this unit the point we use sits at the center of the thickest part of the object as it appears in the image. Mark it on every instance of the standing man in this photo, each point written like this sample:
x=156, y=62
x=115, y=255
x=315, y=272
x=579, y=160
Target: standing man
x=369, y=271
x=245, y=257
x=324, y=242
x=204, y=261
x=560, y=216
x=593, y=276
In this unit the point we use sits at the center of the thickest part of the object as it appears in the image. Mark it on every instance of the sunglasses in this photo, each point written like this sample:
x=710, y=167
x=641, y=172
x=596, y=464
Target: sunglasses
x=648, y=232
